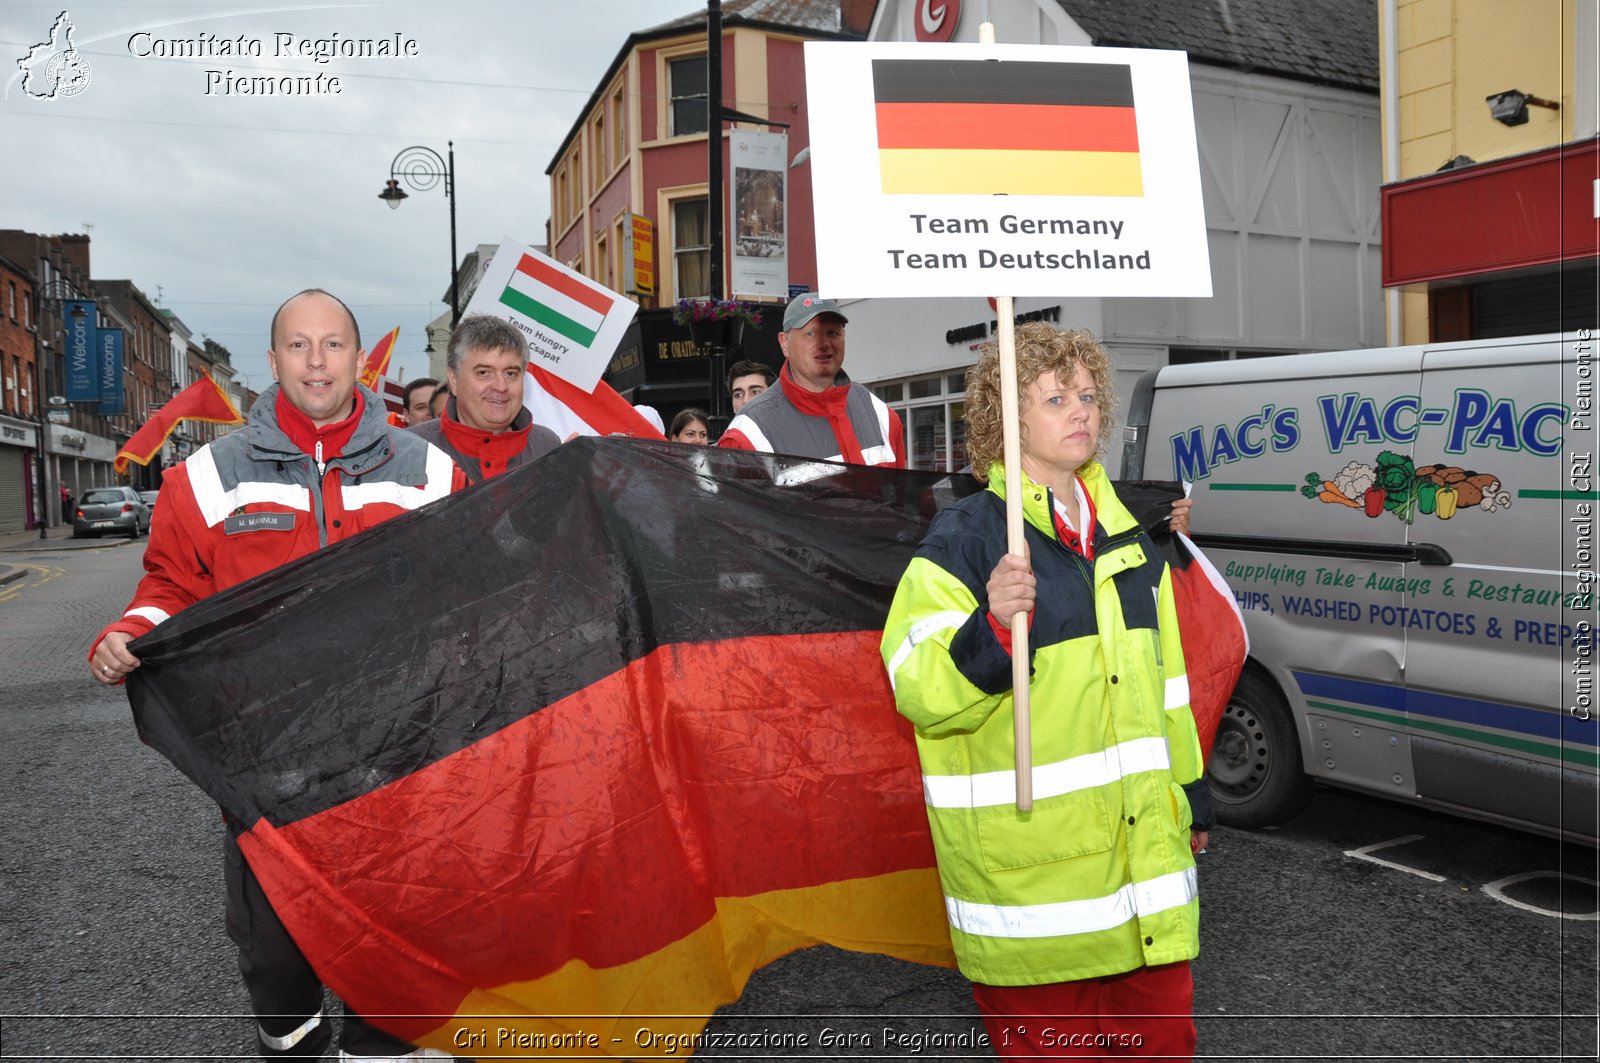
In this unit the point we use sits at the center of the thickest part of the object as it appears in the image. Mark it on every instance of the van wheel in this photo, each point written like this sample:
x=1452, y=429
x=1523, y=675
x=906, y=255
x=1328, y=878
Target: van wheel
x=1257, y=777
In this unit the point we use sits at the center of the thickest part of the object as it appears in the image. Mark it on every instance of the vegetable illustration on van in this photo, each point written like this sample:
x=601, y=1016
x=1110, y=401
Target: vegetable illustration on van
x=1394, y=485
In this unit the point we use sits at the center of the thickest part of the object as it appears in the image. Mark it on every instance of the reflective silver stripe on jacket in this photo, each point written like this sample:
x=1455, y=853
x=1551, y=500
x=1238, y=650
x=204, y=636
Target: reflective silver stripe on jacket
x=1074, y=917
x=216, y=500
x=922, y=629
x=373, y=490
x=990, y=788
x=293, y=1037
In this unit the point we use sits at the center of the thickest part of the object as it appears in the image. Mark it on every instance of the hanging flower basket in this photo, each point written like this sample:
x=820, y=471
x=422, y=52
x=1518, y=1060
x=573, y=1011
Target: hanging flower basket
x=715, y=322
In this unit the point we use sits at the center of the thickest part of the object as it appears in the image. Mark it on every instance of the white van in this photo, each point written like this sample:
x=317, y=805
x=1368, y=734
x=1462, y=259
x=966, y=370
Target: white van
x=1410, y=534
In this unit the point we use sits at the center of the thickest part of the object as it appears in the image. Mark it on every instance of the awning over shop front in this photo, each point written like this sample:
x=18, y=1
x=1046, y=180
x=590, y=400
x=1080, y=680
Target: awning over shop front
x=1480, y=220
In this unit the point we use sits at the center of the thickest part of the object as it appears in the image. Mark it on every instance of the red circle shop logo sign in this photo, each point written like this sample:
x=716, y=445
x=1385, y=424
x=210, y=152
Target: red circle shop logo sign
x=936, y=19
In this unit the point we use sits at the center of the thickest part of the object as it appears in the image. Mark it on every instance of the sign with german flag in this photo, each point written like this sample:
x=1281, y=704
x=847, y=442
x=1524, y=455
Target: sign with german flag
x=959, y=169
x=573, y=325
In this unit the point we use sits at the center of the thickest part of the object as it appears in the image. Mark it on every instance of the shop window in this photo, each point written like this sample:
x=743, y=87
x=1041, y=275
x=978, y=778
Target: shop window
x=958, y=436
x=932, y=411
x=686, y=80
x=927, y=438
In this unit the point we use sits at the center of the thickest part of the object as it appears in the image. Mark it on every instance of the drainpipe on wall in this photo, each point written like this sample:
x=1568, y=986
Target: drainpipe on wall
x=1391, y=140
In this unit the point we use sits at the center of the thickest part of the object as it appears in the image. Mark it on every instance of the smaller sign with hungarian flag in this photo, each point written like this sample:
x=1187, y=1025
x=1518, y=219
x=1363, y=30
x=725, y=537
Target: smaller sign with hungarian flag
x=573, y=325
x=965, y=169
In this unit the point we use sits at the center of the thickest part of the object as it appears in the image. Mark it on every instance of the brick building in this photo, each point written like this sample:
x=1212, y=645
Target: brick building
x=20, y=401
x=149, y=376
x=640, y=150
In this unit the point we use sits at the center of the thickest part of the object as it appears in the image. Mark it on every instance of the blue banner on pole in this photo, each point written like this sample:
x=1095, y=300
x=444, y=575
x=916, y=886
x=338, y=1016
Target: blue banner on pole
x=109, y=346
x=82, y=379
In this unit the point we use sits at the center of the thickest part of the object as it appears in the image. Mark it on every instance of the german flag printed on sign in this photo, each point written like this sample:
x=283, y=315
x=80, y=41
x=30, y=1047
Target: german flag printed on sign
x=965, y=127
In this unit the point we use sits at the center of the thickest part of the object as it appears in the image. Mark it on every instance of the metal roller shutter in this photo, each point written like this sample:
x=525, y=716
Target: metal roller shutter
x=13, y=490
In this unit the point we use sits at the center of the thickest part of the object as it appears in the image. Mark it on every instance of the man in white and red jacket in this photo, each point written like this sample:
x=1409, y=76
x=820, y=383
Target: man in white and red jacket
x=816, y=411
x=316, y=462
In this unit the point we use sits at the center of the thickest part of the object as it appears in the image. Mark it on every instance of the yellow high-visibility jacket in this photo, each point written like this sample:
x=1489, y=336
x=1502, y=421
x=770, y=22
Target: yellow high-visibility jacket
x=1098, y=878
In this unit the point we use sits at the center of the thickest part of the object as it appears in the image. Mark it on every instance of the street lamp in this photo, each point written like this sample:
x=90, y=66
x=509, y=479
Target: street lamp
x=55, y=292
x=422, y=168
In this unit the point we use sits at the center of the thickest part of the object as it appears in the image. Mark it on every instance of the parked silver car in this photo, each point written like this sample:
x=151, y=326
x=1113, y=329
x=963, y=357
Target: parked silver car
x=110, y=509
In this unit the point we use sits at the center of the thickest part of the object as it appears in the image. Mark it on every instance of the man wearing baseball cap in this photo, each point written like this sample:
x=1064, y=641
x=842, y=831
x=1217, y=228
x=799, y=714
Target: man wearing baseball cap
x=816, y=411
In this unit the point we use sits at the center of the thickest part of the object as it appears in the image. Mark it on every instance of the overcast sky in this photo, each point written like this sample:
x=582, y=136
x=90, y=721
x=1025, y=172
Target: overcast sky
x=221, y=205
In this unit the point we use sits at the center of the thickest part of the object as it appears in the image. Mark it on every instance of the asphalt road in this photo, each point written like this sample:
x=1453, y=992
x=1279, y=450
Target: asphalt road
x=1449, y=940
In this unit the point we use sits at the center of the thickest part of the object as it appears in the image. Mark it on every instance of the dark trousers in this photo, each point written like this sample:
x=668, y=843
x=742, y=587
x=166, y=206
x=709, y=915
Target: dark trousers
x=285, y=993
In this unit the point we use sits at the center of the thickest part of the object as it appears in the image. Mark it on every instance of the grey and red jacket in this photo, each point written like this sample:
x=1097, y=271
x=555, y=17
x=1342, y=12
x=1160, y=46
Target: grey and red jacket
x=484, y=455
x=846, y=422
x=254, y=500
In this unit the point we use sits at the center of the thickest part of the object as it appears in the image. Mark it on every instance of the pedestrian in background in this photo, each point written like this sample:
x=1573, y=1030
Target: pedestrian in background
x=436, y=401
x=816, y=411
x=66, y=505
x=747, y=379
x=417, y=396
x=691, y=426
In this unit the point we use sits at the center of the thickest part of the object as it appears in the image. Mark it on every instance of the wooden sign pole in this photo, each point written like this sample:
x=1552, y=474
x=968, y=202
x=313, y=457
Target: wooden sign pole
x=1021, y=703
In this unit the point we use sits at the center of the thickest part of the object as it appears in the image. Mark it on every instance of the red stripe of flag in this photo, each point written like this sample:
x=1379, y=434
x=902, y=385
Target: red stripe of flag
x=630, y=816
x=566, y=284
x=1025, y=127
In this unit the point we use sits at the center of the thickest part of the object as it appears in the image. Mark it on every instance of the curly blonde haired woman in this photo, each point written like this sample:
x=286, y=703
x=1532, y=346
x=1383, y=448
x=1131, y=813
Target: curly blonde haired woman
x=1079, y=917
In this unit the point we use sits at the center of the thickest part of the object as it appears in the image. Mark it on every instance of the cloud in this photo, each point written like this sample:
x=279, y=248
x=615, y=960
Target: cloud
x=225, y=204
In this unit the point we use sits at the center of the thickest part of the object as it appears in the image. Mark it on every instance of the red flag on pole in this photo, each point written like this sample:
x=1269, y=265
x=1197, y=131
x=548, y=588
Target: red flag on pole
x=204, y=400
x=378, y=359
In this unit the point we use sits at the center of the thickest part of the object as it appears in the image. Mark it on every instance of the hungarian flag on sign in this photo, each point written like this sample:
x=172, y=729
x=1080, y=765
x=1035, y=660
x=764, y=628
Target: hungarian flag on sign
x=204, y=400
x=640, y=745
x=556, y=300
x=984, y=127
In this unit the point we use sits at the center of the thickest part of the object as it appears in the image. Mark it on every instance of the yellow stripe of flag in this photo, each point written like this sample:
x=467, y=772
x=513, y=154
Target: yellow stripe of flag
x=646, y=1009
x=940, y=171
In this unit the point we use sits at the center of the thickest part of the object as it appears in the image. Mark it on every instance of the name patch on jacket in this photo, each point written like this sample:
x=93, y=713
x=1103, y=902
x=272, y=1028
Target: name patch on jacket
x=250, y=522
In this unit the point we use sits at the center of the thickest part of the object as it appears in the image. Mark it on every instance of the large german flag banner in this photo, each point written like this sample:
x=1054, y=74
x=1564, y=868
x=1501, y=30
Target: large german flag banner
x=572, y=753
x=960, y=126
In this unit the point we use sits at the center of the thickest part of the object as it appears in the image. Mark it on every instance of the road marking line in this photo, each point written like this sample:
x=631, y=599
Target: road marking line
x=1494, y=890
x=16, y=587
x=1364, y=854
